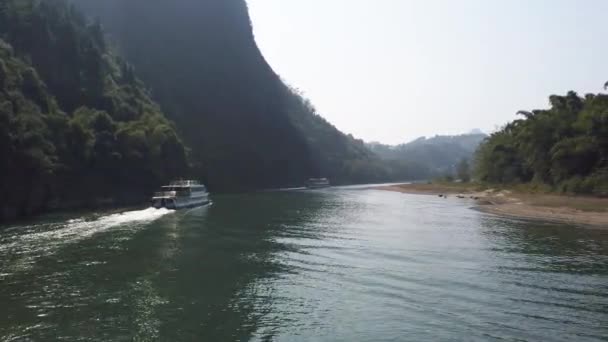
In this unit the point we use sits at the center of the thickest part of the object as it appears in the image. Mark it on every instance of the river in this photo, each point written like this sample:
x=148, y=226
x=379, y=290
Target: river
x=341, y=264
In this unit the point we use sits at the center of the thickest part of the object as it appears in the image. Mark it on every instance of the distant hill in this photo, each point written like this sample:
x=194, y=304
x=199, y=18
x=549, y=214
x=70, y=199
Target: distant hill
x=438, y=154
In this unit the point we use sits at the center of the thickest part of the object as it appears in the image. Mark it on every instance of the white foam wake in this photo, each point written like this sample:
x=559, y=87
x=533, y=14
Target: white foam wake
x=46, y=237
x=81, y=228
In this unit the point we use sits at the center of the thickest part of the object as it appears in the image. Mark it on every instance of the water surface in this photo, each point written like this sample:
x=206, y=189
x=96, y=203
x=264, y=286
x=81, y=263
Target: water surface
x=343, y=264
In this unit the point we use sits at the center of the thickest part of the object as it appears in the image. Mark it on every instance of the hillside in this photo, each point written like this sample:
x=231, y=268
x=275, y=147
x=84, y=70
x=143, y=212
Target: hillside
x=246, y=128
x=76, y=125
x=439, y=154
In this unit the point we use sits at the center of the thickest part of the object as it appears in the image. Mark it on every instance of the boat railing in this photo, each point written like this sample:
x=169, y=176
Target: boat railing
x=185, y=183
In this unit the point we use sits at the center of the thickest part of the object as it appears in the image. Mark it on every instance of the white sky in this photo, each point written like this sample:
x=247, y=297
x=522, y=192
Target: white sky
x=394, y=70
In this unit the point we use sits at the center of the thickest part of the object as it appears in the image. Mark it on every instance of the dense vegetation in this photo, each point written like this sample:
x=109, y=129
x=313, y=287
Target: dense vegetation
x=433, y=157
x=564, y=147
x=246, y=128
x=76, y=125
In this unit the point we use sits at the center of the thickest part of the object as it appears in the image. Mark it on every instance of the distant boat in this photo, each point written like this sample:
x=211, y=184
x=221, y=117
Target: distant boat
x=318, y=183
x=181, y=194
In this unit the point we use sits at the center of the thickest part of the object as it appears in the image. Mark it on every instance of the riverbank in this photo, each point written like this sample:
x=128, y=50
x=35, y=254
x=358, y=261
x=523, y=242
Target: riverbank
x=581, y=210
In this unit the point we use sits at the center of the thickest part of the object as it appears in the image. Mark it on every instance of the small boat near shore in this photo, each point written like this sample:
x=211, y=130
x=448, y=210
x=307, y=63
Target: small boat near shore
x=318, y=183
x=181, y=194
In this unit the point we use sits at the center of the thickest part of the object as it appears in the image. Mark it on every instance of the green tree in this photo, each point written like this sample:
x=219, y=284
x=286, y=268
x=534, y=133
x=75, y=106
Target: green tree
x=564, y=146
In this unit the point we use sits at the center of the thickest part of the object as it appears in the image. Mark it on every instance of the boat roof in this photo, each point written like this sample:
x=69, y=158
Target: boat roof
x=184, y=183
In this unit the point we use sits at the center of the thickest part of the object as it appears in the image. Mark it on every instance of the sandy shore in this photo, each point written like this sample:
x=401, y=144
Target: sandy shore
x=590, y=211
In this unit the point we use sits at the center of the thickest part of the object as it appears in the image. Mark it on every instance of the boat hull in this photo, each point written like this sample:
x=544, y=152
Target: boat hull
x=311, y=187
x=179, y=203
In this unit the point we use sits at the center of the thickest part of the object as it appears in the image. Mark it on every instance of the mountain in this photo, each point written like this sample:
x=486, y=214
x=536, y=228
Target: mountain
x=104, y=107
x=439, y=154
x=246, y=128
x=201, y=62
x=76, y=125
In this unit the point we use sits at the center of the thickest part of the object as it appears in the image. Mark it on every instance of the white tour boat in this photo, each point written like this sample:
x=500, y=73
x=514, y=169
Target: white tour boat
x=181, y=194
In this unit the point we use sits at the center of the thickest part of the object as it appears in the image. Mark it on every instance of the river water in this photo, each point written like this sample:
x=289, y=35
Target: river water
x=343, y=264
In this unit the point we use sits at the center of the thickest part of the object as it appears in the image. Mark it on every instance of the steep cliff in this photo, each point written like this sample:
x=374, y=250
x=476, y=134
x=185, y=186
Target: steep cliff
x=200, y=59
x=245, y=127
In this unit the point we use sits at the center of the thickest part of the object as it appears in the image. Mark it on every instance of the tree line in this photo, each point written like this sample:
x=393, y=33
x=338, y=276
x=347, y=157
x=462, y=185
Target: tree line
x=564, y=147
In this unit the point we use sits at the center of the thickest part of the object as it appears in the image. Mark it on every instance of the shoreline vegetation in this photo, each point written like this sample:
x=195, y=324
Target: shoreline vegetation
x=518, y=202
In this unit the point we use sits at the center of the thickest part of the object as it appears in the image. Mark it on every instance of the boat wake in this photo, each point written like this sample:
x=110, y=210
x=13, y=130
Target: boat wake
x=77, y=229
x=28, y=242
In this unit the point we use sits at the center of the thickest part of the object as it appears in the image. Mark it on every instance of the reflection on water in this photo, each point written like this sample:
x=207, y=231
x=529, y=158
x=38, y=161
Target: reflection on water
x=338, y=264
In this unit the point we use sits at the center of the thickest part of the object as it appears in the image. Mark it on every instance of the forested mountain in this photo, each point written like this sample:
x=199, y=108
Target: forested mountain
x=439, y=155
x=246, y=128
x=565, y=147
x=79, y=127
x=76, y=125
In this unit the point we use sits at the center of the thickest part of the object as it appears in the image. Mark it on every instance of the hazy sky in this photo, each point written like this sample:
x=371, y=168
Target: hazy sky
x=393, y=70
